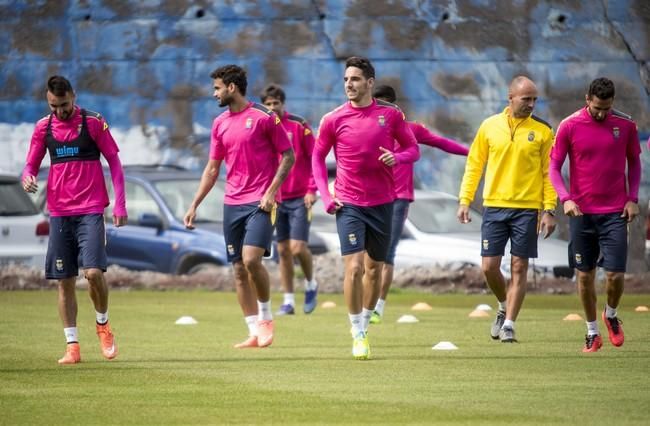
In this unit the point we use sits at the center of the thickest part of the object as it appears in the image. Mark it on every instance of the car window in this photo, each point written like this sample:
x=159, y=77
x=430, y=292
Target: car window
x=14, y=201
x=179, y=193
x=438, y=215
x=138, y=201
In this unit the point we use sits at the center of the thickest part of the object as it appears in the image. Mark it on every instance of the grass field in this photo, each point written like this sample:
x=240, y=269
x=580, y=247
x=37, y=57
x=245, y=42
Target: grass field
x=172, y=374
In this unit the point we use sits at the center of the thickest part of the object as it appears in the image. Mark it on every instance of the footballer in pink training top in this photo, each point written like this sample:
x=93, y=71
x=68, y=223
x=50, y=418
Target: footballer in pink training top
x=251, y=141
x=404, y=194
x=76, y=198
x=363, y=133
x=298, y=193
x=601, y=200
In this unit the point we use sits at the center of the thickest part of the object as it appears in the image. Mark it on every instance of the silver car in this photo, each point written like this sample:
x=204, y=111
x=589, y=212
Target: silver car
x=24, y=230
x=433, y=235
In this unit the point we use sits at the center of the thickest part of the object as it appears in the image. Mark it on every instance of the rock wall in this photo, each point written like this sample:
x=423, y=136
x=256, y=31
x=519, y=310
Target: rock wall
x=145, y=65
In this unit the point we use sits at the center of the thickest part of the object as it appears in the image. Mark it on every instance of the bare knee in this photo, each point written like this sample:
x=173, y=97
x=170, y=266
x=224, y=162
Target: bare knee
x=491, y=265
x=297, y=247
x=519, y=265
x=93, y=275
x=614, y=276
x=252, y=263
x=284, y=249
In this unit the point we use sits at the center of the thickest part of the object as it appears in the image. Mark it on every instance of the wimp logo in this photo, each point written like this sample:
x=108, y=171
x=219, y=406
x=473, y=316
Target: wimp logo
x=67, y=151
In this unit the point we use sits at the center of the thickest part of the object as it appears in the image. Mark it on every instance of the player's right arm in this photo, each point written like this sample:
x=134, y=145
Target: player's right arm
x=208, y=179
x=476, y=160
x=210, y=174
x=324, y=143
x=35, y=156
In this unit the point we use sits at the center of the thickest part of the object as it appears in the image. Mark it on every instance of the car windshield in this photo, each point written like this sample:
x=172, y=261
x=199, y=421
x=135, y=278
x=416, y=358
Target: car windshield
x=438, y=215
x=178, y=195
x=14, y=201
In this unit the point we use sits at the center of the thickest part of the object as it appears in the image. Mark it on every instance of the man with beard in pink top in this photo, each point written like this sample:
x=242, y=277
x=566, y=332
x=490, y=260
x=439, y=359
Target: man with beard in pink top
x=404, y=194
x=250, y=139
x=601, y=200
x=76, y=198
x=298, y=194
x=363, y=133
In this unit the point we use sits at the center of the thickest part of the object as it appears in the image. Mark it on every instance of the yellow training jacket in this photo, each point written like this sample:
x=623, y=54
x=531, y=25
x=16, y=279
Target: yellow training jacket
x=517, y=154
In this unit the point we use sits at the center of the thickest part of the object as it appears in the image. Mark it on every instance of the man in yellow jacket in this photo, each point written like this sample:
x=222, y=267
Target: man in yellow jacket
x=513, y=147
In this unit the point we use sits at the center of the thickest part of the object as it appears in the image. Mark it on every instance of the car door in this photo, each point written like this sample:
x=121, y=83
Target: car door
x=135, y=246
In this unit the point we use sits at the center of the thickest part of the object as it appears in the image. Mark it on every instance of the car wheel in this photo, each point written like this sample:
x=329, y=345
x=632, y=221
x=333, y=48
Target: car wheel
x=203, y=267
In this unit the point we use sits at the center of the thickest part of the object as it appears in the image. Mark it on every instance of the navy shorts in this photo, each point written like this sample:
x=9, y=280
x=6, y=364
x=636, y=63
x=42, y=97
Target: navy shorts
x=75, y=242
x=598, y=239
x=365, y=228
x=246, y=225
x=503, y=224
x=293, y=220
x=400, y=213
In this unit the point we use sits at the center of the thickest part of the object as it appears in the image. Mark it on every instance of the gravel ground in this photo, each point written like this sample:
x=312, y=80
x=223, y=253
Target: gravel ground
x=329, y=273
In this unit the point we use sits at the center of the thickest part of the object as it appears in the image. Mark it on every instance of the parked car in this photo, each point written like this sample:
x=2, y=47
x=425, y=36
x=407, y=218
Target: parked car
x=155, y=238
x=433, y=235
x=24, y=230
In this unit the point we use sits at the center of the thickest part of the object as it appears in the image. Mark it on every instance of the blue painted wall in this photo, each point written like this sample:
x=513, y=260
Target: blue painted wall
x=145, y=64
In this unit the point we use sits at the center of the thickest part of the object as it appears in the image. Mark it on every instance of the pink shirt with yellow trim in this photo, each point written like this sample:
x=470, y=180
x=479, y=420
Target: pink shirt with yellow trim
x=300, y=180
x=250, y=143
x=77, y=187
x=599, y=152
x=356, y=134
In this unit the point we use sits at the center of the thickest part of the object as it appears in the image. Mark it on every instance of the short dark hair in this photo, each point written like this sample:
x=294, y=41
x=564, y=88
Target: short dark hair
x=386, y=93
x=273, y=91
x=602, y=88
x=363, y=64
x=232, y=74
x=59, y=85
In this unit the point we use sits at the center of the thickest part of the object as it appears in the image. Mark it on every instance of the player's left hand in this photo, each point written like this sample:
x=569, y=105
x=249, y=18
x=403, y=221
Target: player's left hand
x=120, y=220
x=309, y=199
x=547, y=225
x=388, y=158
x=630, y=211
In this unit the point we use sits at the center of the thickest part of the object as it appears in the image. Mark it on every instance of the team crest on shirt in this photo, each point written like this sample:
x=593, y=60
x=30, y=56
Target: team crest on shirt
x=231, y=250
x=249, y=123
x=531, y=136
x=290, y=136
x=382, y=120
x=617, y=132
x=352, y=239
x=59, y=265
x=105, y=127
x=307, y=132
x=486, y=244
x=578, y=259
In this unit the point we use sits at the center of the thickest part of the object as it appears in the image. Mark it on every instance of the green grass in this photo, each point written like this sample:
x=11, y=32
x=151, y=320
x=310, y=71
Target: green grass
x=171, y=374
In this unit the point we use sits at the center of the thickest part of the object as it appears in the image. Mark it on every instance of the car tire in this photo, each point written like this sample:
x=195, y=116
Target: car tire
x=203, y=267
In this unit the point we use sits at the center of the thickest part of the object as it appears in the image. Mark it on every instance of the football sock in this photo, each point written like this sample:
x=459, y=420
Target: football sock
x=502, y=306
x=289, y=299
x=71, y=335
x=379, y=307
x=311, y=285
x=609, y=311
x=508, y=324
x=264, y=311
x=101, y=318
x=355, y=320
x=365, y=318
x=251, y=323
x=592, y=328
